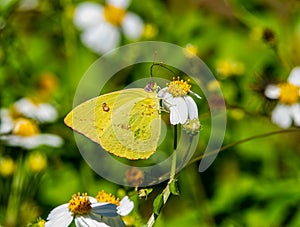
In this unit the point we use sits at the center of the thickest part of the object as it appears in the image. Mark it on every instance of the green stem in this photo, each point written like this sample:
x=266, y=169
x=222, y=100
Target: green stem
x=243, y=141
x=166, y=192
x=14, y=200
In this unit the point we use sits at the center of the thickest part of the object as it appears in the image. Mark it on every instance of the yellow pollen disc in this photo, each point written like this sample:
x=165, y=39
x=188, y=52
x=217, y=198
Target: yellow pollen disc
x=25, y=127
x=114, y=15
x=80, y=205
x=103, y=197
x=289, y=93
x=179, y=87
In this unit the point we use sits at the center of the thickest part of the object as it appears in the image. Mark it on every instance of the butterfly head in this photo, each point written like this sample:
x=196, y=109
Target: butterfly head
x=151, y=86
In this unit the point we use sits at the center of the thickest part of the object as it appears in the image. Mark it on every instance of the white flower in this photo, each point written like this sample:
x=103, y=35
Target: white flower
x=176, y=99
x=87, y=211
x=25, y=133
x=42, y=112
x=288, y=108
x=101, y=25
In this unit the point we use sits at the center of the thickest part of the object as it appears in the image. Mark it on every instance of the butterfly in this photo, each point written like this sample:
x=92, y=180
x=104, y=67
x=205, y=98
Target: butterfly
x=125, y=123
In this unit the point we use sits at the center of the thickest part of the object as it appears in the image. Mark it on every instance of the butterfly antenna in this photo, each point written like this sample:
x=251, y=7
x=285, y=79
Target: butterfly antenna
x=160, y=65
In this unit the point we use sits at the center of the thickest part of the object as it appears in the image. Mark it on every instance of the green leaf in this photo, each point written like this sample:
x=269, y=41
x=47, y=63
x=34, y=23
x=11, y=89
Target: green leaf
x=158, y=204
x=174, y=187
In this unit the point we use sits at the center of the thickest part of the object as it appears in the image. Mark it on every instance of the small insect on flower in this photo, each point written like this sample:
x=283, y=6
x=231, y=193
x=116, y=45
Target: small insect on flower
x=101, y=25
x=288, y=108
x=182, y=107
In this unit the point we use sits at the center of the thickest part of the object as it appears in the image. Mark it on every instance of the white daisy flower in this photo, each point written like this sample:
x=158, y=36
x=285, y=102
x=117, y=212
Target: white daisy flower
x=25, y=133
x=288, y=108
x=87, y=211
x=101, y=25
x=182, y=107
x=42, y=112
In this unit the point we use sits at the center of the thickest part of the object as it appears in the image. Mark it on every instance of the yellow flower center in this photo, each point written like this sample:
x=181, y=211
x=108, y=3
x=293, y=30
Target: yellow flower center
x=25, y=127
x=103, y=197
x=114, y=15
x=179, y=87
x=80, y=205
x=289, y=93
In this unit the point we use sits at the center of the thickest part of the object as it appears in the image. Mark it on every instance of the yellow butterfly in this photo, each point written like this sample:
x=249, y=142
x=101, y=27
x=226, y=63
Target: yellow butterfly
x=125, y=123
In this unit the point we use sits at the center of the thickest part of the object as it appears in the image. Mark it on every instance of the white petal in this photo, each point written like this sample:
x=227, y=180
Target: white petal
x=49, y=139
x=133, y=26
x=30, y=142
x=59, y=217
x=272, y=91
x=126, y=206
x=295, y=111
x=25, y=107
x=102, y=38
x=281, y=116
x=92, y=199
x=163, y=92
x=88, y=14
x=42, y=112
x=119, y=3
x=81, y=221
x=181, y=109
x=6, y=122
x=192, y=107
x=45, y=113
x=104, y=209
x=294, y=77
x=114, y=222
x=174, y=116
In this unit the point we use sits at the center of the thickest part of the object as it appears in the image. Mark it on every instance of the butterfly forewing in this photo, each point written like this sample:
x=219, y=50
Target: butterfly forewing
x=125, y=123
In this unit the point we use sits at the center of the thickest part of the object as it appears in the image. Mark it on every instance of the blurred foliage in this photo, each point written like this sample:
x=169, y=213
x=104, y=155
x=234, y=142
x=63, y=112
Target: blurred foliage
x=246, y=44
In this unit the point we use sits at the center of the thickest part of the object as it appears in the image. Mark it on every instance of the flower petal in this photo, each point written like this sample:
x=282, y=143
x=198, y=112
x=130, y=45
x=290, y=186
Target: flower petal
x=102, y=38
x=105, y=209
x=163, y=93
x=46, y=113
x=281, y=116
x=43, y=112
x=133, y=26
x=30, y=142
x=181, y=109
x=59, y=217
x=88, y=14
x=81, y=221
x=192, y=107
x=295, y=111
x=115, y=221
x=126, y=206
x=6, y=122
x=119, y=3
x=294, y=77
x=272, y=91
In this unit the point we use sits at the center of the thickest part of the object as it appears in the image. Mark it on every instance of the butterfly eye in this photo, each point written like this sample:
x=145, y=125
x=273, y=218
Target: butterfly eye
x=105, y=107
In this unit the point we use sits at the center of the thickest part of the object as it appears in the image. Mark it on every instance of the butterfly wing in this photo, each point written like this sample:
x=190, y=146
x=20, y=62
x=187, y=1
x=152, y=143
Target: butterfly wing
x=125, y=123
